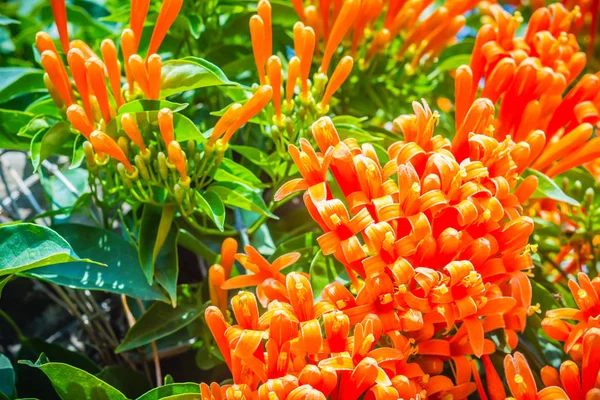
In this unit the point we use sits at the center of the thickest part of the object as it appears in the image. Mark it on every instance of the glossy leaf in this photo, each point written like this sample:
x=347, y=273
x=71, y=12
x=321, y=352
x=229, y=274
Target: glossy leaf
x=44, y=106
x=235, y=194
x=11, y=122
x=547, y=189
x=75, y=384
x=212, y=205
x=193, y=244
x=47, y=143
x=122, y=275
x=323, y=271
x=7, y=377
x=26, y=246
x=171, y=390
x=17, y=81
x=190, y=73
x=166, y=269
x=150, y=105
x=230, y=171
x=158, y=321
x=154, y=228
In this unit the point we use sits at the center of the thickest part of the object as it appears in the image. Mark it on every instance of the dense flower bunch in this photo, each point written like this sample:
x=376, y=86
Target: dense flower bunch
x=136, y=155
x=396, y=31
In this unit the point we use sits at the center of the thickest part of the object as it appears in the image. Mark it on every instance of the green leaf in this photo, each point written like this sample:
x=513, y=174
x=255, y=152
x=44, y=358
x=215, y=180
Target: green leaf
x=4, y=21
x=3, y=283
x=17, y=81
x=44, y=106
x=230, y=171
x=151, y=105
x=212, y=205
x=191, y=243
x=256, y=157
x=170, y=390
x=11, y=122
x=7, y=377
x=453, y=62
x=167, y=265
x=547, y=189
x=25, y=246
x=190, y=73
x=158, y=321
x=235, y=194
x=154, y=229
x=323, y=271
x=123, y=274
x=131, y=383
x=47, y=143
x=75, y=384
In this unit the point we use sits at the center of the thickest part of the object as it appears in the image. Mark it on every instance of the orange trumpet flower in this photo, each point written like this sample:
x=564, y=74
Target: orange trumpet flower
x=106, y=145
x=274, y=74
x=257, y=34
x=264, y=11
x=133, y=132
x=168, y=12
x=293, y=75
x=97, y=79
x=177, y=157
x=78, y=118
x=59, y=11
x=165, y=124
x=154, y=76
x=109, y=54
x=140, y=73
x=56, y=71
x=253, y=106
x=340, y=74
x=230, y=116
x=76, y=61
x=138, y=12
x=521, y=382
x=343, y=22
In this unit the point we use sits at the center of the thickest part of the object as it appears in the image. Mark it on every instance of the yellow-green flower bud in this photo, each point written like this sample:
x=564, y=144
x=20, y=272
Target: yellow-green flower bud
x=162, y=166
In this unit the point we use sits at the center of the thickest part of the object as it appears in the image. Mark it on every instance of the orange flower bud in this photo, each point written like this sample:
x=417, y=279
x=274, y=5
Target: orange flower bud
x=462, y=93
x=325, y=9
x=78, y=118
x=340, y=74
x=129, y=47
x=139, y=11
x=59, y=10
x=342, y=24
x=293, y=74
x=154, y=75
x=106, y=145
x=76, y=61
x=274, y=73
x=177, y=158
x=217, y=325
x=165, y=124
x=218, y=296
x=228, y=250
x=109, y=54
x=132, y=131
x=97, y=79
x=84, y=48
x=308, y=50
x=257, y=34
x=257, y=102
x=526, y=188
x=264, y=11
x=53, y=66
x=168, y=12
x=231, y=115
x=53, y=92
x=298, y=38
x=139, y=73
x=299, y=8
x=44, y=42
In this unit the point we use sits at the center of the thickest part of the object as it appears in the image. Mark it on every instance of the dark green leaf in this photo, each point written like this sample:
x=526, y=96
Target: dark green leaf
x=11, y=122
x=170, y=390
x=123, y=274
x=323, y=271
x=131, y=383
x=235, y=194
x=17, y=81
x=212, y=205
x=190, y=73
x=547, y=189
x=453, y=62
x=32, y=347
x=151, y=105
x=25, y=246
x=47, y=143
x=7, y=377
x=154, y=228
x=44, y=106
x=190, y=242
x=158, y=321
x=75, y=384
x=167, y=265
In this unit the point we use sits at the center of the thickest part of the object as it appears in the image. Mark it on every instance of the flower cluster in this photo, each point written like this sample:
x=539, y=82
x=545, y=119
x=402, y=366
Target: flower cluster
x=397, y=30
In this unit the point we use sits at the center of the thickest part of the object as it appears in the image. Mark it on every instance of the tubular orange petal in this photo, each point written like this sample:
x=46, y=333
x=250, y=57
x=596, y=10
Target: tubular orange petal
x=165, y=124
x=105, y=144
x=132, y=131
x=342, y=24
x=139, y=73
x=264, y=11
x=177, y=157
x=139, y=10
x=168, y=12
x=128, y=47
x=293, y=75
x=340, y=74
x=245, y=309
x=308, y=49
x=97, y=80
x=232, y=114
x=253, y=106
x=258, y=36
x=56, y=71
x=59, y=10
x=78, y=118
x=109, y=54
x=274, y=74
x=154, y=76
